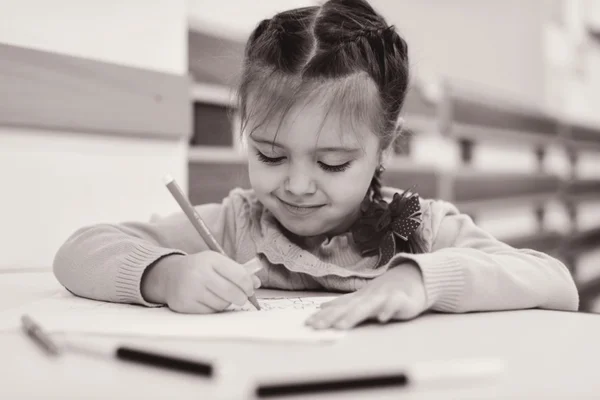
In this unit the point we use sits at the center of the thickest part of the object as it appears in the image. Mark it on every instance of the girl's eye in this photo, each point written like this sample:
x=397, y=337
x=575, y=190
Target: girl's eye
x=269, y=160
x=334, y=168
x=325, y=167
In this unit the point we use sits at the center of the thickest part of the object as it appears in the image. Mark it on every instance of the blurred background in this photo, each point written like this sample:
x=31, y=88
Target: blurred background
x=98, y=100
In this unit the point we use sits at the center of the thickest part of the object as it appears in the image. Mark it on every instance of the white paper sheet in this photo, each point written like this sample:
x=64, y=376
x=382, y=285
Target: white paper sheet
x=281, y=319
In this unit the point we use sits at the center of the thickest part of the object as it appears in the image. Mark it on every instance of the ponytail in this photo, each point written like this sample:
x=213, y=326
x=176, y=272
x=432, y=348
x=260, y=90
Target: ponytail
x=375, y=187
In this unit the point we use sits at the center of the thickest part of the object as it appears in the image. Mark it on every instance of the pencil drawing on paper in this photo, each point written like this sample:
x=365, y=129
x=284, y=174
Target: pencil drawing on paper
x=285, y=303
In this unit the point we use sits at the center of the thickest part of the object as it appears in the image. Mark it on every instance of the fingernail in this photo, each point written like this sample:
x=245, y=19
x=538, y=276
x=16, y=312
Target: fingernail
x=319, y=324
x=384, y=317
x=343, y=324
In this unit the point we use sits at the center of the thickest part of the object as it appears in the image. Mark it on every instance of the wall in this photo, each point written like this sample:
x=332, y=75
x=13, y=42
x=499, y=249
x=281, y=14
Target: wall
x=573, y=55
x=55, y=182
x=236, y=18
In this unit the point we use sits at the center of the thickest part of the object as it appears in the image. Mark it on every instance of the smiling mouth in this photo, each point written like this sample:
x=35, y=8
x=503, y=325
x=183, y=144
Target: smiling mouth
x=299, y=210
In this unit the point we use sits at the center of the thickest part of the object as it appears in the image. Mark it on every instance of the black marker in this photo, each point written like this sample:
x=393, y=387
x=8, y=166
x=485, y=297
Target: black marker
x=331, y=385
x=165, y=361
x=451, y=371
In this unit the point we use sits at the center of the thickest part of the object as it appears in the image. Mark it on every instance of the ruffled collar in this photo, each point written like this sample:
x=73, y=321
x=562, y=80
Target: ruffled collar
x=336, y=255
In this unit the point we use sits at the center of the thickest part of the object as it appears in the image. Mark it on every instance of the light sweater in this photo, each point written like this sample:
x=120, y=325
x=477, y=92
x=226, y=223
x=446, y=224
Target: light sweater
x=464, y=268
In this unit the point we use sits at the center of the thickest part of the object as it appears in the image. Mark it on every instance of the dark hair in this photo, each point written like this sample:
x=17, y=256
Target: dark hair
x=344, y=47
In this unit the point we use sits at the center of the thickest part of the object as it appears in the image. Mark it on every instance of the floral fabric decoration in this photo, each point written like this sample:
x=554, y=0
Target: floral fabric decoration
x=385, y=228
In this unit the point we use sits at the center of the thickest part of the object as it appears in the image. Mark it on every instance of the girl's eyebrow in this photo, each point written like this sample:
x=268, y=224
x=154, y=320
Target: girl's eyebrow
x=328, y=149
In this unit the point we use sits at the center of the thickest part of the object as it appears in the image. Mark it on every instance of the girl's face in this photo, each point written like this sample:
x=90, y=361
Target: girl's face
x=312, y=176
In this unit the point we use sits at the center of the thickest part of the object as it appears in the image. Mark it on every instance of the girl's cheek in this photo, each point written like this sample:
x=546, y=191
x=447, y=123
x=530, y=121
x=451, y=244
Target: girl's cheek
x=266, y=177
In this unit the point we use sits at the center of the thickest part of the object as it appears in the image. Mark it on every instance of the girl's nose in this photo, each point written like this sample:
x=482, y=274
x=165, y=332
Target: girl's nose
x=299, y=182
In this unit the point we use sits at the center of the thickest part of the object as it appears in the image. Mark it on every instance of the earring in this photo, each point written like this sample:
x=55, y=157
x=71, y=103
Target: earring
x=380, y=169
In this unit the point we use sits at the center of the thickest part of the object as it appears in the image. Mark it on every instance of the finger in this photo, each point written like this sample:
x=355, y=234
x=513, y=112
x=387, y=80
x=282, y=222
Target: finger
x=225, y=289
x=397, y=305
x=340, y=300
x=236, y=274
x=256, y=281
x=212, y=300
x=324, y=307
x=362, y=311
x=190, y=307
x=326, y=318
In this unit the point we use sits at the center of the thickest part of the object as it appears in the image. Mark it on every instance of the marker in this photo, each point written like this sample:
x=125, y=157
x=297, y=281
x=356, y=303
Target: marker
x=164, y=361
x=123, y=353
x=198, y=223
x=325, y=385
x=430, y=372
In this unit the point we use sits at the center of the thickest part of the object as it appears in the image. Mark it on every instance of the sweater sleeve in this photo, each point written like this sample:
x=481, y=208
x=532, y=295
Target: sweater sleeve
x=106, y=262
x=469, y=270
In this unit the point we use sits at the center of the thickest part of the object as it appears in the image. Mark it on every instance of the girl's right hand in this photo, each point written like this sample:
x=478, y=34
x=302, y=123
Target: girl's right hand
x=200, y=283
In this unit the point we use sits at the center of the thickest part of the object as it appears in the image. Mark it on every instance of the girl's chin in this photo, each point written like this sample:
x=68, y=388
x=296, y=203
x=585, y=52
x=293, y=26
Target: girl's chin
x=304, y=231
x=309, y=228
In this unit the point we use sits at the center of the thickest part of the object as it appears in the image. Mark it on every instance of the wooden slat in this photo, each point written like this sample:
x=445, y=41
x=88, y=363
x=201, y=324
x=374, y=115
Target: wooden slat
x=214, y=60
x=582, y=133
x=210, y=182
x=581, y=242
x=582, y=189
x=212, y=125
x=497, y=114
x=50, y=91
x=585, y=186
x=546, y=242
x=478, y=186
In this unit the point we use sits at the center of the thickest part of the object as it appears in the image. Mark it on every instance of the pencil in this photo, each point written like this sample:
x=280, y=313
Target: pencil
x=198, y=223
x=38, y=335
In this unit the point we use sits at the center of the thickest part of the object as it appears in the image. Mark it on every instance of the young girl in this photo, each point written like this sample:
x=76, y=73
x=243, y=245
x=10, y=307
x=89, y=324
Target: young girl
x=321, y=91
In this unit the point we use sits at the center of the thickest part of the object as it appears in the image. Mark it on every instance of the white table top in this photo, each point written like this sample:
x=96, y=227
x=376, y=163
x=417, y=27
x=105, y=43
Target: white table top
x=546, y=354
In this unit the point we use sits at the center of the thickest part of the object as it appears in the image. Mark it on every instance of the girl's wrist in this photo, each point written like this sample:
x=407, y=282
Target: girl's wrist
x=410, y=276
x=155, y=280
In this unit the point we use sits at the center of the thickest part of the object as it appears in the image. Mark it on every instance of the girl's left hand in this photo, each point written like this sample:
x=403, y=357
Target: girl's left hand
x=397, y=294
